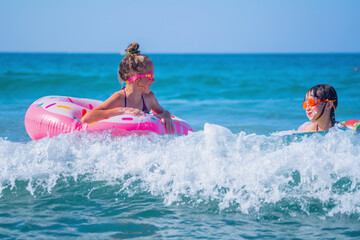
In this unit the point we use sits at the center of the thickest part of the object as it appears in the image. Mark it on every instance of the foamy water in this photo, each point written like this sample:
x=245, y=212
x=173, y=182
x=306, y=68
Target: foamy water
x=214, y=167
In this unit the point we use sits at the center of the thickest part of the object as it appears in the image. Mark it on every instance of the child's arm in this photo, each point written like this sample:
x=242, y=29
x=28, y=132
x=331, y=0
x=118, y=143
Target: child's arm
x=161, y=113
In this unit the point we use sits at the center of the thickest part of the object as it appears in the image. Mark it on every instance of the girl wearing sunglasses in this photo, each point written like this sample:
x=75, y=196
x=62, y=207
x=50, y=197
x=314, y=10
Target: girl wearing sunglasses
x=320, y=103
x=135, y=98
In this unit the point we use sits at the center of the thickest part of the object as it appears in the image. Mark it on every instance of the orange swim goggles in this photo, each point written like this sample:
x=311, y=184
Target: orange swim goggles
x=311, y=102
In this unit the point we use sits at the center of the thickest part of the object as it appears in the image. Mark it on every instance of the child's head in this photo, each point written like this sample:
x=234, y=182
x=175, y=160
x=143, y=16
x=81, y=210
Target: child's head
x=134, y=63
x=325, y=95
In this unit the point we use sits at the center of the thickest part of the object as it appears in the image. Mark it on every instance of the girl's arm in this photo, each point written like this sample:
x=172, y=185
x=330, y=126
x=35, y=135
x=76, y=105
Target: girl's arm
x=161, y=113
x=110, y=108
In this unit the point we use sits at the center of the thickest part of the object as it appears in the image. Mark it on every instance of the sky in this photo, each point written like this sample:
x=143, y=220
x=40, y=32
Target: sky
x=186, y=26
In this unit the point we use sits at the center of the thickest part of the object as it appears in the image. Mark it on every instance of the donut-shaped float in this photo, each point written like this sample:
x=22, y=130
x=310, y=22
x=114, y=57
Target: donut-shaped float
x=53, y=115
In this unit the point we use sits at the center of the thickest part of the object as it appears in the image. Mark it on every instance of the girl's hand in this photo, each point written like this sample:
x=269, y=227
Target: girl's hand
x=169, y=125
x=165, y=118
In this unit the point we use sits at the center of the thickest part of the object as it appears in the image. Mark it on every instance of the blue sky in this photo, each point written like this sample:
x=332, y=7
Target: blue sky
x=187, y=26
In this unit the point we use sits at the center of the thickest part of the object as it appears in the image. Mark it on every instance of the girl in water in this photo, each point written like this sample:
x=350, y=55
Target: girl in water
x=320, y=103
x=135, y=98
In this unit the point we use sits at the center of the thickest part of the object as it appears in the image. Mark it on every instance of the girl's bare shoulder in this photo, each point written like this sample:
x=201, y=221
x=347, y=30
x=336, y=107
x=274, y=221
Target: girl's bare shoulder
x=307, y=127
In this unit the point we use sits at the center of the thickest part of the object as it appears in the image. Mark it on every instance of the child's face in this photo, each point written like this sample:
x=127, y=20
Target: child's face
x=313, y=111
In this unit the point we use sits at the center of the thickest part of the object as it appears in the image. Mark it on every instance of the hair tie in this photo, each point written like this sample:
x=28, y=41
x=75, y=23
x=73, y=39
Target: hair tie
x=123, y=53
x=135, y=51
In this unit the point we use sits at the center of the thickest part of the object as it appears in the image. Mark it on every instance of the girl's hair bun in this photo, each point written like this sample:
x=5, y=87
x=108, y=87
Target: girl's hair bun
x=134, y=63
x=133, y=48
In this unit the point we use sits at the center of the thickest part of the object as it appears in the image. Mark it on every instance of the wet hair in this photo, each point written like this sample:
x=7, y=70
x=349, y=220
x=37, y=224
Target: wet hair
x=133, y=63
x=323, y=92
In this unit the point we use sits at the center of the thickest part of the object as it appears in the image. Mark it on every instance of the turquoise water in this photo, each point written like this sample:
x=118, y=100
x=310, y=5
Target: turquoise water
x=237, y=176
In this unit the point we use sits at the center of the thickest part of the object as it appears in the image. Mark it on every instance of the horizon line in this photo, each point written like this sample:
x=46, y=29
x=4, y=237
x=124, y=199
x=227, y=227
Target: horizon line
x=180, y=53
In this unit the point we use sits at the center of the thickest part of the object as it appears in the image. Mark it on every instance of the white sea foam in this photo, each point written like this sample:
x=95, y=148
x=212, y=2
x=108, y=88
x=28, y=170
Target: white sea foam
x=212, y=165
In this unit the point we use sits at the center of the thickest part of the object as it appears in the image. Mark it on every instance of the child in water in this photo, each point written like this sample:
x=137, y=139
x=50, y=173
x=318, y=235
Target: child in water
x=135, y=98
x=320, y=103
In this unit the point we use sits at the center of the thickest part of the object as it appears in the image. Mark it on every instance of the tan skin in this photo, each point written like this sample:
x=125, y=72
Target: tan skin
x=324, y=122
x=115, y=105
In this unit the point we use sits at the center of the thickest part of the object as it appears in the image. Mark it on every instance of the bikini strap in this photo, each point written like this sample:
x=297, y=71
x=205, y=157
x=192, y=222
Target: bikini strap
x=124, y=96
x=145, y=109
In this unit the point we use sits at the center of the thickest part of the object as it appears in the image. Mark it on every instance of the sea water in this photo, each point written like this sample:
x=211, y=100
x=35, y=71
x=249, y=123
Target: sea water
x=240, y=174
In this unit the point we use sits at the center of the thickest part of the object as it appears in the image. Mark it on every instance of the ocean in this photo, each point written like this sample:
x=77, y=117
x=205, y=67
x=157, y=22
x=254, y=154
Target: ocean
x=242, y=173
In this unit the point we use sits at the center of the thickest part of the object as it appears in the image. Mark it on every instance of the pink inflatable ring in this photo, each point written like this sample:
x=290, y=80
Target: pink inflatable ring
x=53, y=115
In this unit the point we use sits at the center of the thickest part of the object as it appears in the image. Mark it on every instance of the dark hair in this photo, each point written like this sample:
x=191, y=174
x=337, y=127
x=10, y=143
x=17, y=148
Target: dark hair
x=133, y=62
x=323, y=92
